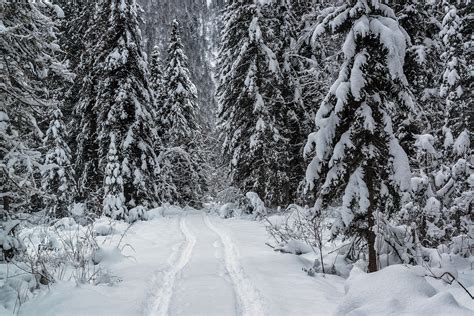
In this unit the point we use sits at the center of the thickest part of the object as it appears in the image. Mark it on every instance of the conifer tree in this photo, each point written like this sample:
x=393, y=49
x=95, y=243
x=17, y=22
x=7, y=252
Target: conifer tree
x=156, y=72
x=297, y=122
x=356, y=153
x=29, y=60
x=455, y=83
x=441, y=187
x=75, y=39
x=251, y=104
x=179, y=128
x=58, y=173
x=452, y=181
x=422, y=63
x=115, y=115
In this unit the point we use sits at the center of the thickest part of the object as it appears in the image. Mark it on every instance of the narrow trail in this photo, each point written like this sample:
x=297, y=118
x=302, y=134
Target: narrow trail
x=204, y=286
x=204, y=275
x=163, y=286
x=192, y=263
x=249, y=300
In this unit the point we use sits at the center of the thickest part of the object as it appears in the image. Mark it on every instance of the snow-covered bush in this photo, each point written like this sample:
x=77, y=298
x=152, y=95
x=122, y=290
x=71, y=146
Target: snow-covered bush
x=257, y=207
x=37, y=255
x=10, y=244
x=298, y=233
x=229, y=210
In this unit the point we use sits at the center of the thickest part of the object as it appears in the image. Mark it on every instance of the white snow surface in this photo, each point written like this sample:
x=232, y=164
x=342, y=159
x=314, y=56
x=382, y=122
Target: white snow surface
x=192, y=263
x=189, y=262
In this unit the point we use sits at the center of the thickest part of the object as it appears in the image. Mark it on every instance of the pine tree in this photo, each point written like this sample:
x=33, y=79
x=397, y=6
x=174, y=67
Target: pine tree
x=252, y=104
x=452, y=181
x=58, y=174
x=115, y=108
x=441, y=188
x=156, y=72
x=297, y=122
x=29, y=60
x=74, y=39
x=455, y=83
x=199, y=27
x=422, y=63
x=114, y=201
x=179, y=129
x=357, y=155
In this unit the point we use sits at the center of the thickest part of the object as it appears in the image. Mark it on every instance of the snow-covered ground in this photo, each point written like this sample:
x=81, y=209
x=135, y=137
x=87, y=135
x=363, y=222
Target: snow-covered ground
x=195, y=263
x=192, y=263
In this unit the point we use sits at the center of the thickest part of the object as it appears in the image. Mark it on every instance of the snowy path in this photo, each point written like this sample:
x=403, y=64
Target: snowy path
x=160, y=299
x=249, y=299
x=203, y=287
x=192, y=263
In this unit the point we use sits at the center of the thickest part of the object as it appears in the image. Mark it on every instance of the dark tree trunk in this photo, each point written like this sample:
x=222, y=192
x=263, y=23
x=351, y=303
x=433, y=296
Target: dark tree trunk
x=6, y=203
x=371, y=242
x=369, y=180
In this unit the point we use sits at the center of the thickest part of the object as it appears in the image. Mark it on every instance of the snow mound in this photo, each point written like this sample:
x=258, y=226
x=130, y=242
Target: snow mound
x=229, y=210
x=104, y=227
x=396, y=290
x=297, y=247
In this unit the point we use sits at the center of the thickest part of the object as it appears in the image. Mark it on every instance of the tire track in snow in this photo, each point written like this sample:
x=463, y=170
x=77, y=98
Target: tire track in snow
x=250, y=302
x=161, y=297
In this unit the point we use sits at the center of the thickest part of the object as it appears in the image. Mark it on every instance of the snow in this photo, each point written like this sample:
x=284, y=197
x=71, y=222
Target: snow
x=257, y=203
x=189, y=262
x=425, y=143
x=356, y=190
x=192, y=263
x=357, y=75
x=462, y=144
x=3, y=29
x=396, y=290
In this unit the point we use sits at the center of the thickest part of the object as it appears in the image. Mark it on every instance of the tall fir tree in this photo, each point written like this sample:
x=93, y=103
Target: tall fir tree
x=356, y=153
x=179, y=128
x=251, y=104
x=58, y=173
x=29, y=61
x=156, y=72
x=73, y=28
x=422, y=63
x=456, y=81
x=114, y=108
x=199, y=26
x=297, y=122
x=452, y=196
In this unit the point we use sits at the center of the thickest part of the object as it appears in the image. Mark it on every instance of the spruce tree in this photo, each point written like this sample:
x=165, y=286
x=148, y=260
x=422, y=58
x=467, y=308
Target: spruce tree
x=156, y=72
x=115, y=116
x=456, y=79
x=453, y=180
x=29, y=50
x=297, y=122
x=422, y=63
x=58, y=173
x=251, y=104
x=75, y=39
x=356, y=153
x=179, y=128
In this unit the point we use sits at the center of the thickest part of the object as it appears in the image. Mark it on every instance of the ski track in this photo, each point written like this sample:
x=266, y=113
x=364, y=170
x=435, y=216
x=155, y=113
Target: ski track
x=250, y=302
x=163, y=287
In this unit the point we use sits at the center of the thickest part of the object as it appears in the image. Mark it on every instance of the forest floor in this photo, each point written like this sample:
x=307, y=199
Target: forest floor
x=193, y=263
x=188, y=262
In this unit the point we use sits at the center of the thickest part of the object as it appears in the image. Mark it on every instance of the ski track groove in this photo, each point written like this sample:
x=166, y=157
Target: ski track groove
x=249, y=300
x=162, y=295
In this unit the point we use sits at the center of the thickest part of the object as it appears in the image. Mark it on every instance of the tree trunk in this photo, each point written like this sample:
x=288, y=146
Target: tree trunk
x=371, y=242
x=6, y=208
x=369, y=180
